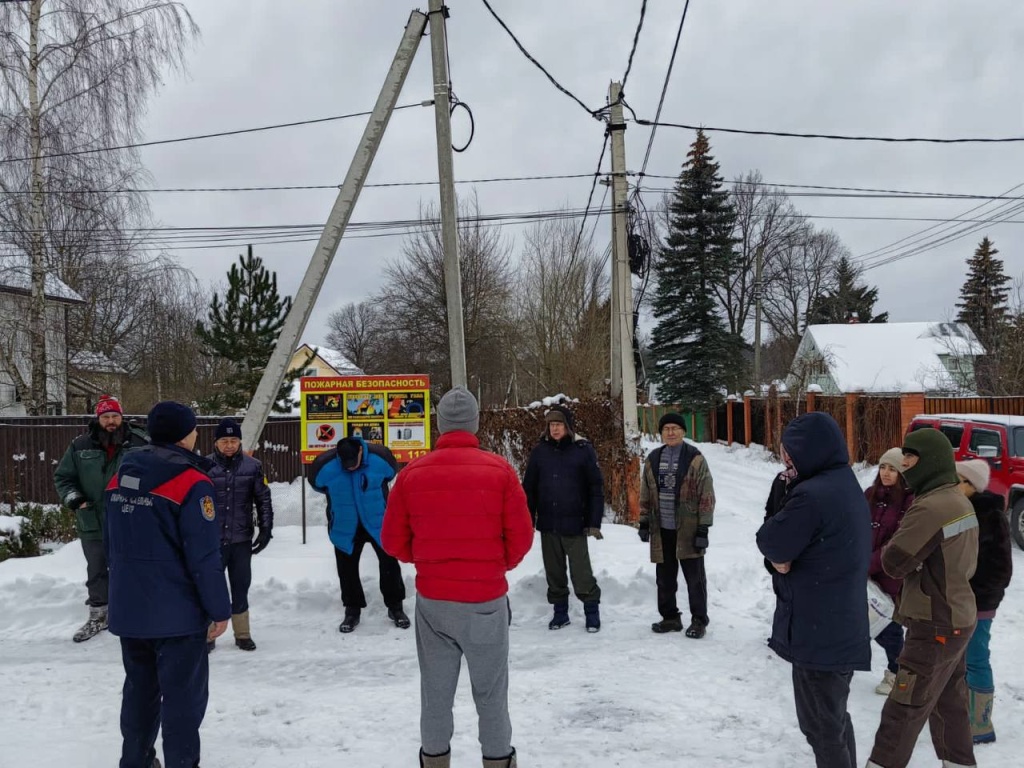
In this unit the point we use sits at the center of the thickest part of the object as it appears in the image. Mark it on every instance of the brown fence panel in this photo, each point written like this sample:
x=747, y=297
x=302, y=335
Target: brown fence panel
x=758, y=406
x=31, y=447
x=878, y=427
x=1002, y=406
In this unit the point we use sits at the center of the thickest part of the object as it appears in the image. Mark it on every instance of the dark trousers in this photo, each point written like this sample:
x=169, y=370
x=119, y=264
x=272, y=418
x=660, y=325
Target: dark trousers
x=556, y=549
x=97, y=578
x=930, y=687
x=166, y=685
x=392, y=588
x=668, y=581
x=891, y=640
x=821, y=712
x=237, y=559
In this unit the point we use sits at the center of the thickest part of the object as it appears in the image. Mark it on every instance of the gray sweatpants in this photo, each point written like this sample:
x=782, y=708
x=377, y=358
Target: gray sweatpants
x=445, y=632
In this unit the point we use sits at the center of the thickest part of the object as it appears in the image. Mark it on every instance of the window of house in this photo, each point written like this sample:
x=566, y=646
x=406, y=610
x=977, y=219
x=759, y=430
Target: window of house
x=986, y=437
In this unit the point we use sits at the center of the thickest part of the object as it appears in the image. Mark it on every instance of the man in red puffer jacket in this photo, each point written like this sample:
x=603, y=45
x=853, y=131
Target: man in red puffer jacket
x=460, y=515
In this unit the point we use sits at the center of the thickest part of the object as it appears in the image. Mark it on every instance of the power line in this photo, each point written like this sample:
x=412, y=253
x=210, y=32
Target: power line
x=636, y=40
x=664, y=88
x=835, y=137
x=592, y=112
x=590, y=199
x=201, y=136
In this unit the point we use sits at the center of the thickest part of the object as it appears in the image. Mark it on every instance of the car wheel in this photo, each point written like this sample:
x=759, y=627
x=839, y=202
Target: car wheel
x=1017, y=522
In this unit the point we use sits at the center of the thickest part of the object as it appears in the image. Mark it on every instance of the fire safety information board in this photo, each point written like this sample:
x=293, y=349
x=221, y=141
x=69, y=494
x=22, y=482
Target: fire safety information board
x=388, y=410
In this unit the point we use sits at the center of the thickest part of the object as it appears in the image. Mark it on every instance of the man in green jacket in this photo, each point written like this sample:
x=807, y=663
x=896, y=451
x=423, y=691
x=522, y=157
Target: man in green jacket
x=81, y=477
x=935, y=552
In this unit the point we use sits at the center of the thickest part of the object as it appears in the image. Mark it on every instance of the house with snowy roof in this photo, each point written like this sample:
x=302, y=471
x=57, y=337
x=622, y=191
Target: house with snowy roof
x=887, y=358
x=319, y=361
x=15, y=357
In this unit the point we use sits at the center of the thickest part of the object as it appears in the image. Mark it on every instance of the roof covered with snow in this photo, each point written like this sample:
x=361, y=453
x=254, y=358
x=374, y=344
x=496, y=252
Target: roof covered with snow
x=339, y=362
x=16, y=275
x=886, y=357
x=95, y=362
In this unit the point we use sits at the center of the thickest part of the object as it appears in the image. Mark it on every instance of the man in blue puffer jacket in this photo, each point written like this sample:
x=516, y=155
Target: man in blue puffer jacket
x=167, y=585
x=240, y=485
x=819, y=544
x=355, y=478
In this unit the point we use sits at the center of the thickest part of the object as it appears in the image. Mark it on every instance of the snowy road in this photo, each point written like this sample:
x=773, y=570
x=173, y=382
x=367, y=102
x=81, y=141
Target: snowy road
x=312, y=697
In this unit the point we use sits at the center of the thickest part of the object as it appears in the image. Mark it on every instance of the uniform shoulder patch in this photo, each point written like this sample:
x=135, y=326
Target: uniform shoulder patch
x=209, y=510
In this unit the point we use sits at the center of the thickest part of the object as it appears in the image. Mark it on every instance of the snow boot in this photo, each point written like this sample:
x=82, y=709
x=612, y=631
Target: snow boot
x=674, y=624
x=884, y=688
x=240, y=626
x=435, y=761
x=982, y=730
x=561, y=617
x=501, y=762
x=697, y=628
x=398, y=616
x=97, y=623
x=351, y=620
x=592, y=610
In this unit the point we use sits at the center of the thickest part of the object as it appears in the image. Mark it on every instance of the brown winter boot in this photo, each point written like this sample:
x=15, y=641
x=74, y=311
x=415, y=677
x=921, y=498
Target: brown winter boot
x=501, y=762
x=436, y=761
x=240, y=626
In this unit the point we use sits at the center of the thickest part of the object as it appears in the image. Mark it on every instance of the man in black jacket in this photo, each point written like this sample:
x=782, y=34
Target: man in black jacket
x=819, y=544
x=240, y=485
x=565, y=494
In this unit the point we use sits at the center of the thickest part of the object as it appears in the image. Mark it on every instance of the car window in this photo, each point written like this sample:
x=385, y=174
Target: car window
x=953, y=433
x=1018, y=441
x=983, y=437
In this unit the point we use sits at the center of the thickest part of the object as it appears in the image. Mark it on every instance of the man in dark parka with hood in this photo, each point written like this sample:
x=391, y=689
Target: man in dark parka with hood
x=819, y=544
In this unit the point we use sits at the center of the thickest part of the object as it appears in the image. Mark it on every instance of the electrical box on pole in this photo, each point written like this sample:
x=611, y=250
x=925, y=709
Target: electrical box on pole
x=302, y=305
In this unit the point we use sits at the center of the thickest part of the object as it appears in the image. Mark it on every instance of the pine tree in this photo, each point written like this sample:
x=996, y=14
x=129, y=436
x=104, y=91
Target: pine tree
x=983, y=297
x=850, y=301
x=242, y=329
x=695, y=355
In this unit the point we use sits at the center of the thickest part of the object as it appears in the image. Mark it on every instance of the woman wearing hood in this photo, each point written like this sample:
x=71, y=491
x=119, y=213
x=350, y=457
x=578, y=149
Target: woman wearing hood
x=889, y=498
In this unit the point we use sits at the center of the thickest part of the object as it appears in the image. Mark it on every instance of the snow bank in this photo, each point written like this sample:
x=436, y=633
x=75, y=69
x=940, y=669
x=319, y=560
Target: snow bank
x=10, y=525
x=311, y=697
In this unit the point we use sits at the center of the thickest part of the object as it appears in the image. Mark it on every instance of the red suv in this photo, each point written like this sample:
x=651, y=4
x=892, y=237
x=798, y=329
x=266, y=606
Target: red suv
x=999, y=440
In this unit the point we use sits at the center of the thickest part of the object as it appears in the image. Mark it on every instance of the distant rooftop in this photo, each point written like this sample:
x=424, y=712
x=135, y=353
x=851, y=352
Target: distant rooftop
x=16, y=276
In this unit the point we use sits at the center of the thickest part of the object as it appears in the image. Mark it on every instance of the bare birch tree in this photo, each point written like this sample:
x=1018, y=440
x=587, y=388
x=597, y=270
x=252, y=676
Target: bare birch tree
x=75, y=76
x=802, y=271
x=353, y=331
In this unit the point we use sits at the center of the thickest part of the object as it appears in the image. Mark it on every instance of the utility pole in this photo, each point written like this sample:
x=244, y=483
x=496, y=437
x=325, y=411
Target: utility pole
x=758, y=292
x=449, y=208
x=620, y=251
x=615, y=356
x=295, y=323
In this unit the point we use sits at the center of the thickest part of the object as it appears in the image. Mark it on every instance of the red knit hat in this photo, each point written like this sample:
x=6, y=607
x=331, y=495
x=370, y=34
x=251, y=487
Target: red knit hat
x=108, y=404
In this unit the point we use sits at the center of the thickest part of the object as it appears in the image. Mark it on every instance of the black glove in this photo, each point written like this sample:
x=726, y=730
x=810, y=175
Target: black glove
x=645, y=532
x=700, y=540
x=262, y=539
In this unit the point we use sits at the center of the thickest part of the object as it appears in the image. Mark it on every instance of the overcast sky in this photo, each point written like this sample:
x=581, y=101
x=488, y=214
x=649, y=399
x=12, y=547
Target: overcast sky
x=941, y=68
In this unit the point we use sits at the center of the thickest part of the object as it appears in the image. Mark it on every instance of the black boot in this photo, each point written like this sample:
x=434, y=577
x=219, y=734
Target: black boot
x=697, y=628
x=351, y=620
x=674, y=624
x=560, y=618
x=398, y=616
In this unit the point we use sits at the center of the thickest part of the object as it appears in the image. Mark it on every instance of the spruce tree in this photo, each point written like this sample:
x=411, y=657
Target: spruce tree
x=695, y=355
x=983, y=297
x=242, y=329
x=850, y=301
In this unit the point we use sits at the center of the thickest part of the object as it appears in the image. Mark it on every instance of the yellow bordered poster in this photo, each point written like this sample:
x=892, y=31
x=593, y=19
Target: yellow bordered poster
x=388, y=410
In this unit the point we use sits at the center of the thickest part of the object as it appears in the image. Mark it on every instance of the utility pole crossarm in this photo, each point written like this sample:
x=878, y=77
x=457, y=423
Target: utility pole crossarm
x=295, y=323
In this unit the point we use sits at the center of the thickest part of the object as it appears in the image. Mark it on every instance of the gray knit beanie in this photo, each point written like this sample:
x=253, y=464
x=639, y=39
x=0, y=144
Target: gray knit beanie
x=458, y=411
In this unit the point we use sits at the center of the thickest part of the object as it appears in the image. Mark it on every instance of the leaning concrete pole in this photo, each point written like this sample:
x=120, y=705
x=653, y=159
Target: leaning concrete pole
x=295, y=323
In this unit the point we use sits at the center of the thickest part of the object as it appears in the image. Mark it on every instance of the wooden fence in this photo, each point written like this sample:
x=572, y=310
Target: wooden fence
x=870, y=424
x=32, y=446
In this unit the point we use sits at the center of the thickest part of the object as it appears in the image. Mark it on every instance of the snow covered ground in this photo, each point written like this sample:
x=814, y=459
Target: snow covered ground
x=312, y=697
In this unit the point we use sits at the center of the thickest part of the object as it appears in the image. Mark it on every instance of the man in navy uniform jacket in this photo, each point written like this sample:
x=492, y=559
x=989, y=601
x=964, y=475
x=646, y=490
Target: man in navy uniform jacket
x=166, y=588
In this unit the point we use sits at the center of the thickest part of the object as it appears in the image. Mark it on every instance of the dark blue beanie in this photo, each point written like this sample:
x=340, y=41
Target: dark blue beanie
x=170, y=422
x=228, y=428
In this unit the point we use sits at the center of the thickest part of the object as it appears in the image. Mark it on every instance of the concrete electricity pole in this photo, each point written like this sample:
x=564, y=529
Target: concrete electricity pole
x=295, y=323
x=449, y=208
x=623, y=284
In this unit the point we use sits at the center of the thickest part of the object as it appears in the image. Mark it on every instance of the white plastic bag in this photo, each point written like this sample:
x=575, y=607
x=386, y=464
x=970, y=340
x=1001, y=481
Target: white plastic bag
x=880, y=609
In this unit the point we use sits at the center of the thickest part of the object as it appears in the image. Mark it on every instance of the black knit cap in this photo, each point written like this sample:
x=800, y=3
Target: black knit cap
x=228, y=428
x=671, y=418
x=169, y=422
